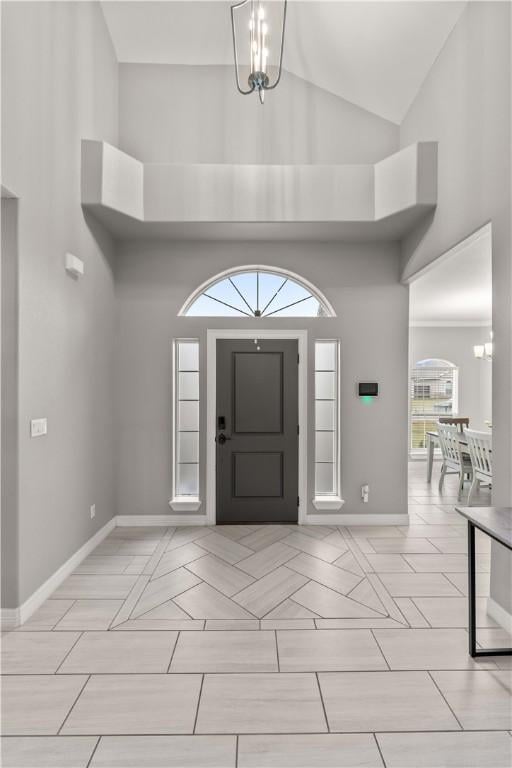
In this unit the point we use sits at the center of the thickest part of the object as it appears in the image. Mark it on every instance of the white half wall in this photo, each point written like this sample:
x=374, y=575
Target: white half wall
x=112, y=178
x=236, y=193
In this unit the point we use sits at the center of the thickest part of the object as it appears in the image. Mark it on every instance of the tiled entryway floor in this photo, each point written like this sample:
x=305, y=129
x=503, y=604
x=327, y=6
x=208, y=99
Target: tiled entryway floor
x=264, y=646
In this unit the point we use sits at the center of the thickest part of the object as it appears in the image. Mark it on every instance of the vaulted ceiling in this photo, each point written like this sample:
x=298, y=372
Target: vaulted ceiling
x=374, y=54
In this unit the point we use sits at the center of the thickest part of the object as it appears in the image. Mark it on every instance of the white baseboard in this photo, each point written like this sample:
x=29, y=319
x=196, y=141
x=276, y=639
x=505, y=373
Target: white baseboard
x=326, y=518
x=323, y=518
x=371, y=519
x=15, y=617
x=9, y=619
x=183, y=519
x=499, y=614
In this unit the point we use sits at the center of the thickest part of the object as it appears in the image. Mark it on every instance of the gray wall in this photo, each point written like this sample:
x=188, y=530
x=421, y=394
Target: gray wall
x=464, y=104
x=455, y=344
x=59, y=84
x=361, y=281
x=185, y=114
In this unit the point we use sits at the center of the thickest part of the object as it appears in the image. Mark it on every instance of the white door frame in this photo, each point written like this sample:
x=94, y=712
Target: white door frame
x=212, y=334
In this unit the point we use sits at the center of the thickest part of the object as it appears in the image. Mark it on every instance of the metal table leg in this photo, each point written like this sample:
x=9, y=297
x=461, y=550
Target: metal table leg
x=473, y=650
x=471, y=590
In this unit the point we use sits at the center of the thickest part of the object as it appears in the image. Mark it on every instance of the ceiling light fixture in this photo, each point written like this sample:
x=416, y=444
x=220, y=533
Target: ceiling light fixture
x=257, y=20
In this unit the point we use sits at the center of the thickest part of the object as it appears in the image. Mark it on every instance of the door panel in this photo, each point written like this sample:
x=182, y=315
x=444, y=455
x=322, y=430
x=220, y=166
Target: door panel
x=258, y=475
x=253, y=374
x=257, y=430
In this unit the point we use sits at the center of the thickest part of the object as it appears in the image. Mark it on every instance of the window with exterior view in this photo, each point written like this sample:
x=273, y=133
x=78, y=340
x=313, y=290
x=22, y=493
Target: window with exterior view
x=433, y=393
x=257, y=292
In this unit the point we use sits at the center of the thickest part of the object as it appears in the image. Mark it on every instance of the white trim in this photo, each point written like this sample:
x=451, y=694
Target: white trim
x=142, y=520
x=175, y=408
x=311, y=519
x=9, y=619
x=373, y=519
x=41, y=594
x=185, y=503
x=321, y=499
x=325, y=518
x=212, y=334
x=258, y=268
x=328, y=502
x=176, y=501
x=500, y=615
x=451, y=323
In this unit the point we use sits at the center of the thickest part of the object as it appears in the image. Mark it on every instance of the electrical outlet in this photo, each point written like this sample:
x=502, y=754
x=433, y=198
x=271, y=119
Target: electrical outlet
x=365, y=492
x=93, y=511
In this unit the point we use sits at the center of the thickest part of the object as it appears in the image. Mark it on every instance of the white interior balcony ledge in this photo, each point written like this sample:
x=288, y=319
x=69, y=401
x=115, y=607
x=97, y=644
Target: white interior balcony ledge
x=229, y=201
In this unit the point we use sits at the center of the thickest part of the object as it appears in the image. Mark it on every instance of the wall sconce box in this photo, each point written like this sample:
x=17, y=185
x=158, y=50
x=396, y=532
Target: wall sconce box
x=368, y=389
x=74, y=265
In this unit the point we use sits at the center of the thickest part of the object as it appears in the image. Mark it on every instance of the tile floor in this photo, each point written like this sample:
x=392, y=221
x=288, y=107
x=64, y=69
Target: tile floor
x=264, y=646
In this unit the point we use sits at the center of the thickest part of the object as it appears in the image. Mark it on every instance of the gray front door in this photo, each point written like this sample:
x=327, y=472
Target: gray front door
x=257, y=431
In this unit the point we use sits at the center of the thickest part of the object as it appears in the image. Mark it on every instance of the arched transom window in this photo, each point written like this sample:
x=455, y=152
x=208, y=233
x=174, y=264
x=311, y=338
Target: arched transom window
x=257, y=291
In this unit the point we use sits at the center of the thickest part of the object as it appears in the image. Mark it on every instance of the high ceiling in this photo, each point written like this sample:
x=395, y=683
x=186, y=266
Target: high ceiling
x=458, y=288
x=374, y=54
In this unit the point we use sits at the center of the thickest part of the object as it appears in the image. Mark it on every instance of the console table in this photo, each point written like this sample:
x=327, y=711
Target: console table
x=496, y=523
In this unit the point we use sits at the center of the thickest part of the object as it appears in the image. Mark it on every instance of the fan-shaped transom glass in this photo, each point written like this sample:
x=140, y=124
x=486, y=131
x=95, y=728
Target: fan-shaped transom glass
x=434, y=362
x=257, y=293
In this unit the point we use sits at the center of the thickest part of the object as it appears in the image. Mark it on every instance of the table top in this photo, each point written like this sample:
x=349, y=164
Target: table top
x=496, y=521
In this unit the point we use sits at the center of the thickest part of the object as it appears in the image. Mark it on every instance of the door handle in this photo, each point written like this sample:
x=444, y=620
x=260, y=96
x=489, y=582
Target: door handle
x=221, y=439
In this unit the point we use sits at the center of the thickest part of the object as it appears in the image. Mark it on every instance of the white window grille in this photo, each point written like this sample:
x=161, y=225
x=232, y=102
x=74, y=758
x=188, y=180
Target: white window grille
x=257, y=292
x=327, y=474
x=433, y=393
x=186, y=418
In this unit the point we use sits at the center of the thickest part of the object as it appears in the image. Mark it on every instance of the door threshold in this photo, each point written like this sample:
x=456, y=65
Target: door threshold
x=259, y=522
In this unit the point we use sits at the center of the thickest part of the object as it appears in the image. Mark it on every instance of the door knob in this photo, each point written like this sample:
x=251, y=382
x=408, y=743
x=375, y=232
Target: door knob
x=222, y=438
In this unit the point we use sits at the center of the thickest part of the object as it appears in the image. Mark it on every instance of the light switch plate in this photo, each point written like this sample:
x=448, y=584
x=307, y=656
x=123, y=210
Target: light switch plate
x=38, y=427
x=74, y=265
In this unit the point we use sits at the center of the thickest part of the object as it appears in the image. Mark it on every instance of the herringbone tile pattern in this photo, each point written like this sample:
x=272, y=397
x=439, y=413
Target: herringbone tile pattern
x=227, y=573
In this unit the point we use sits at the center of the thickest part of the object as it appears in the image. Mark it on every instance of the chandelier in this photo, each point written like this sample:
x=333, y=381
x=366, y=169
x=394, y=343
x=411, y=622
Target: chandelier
x=258, y=27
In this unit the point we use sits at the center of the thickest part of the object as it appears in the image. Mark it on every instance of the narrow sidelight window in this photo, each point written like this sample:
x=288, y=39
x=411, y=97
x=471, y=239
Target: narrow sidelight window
x=186, y=417
x=326, y=418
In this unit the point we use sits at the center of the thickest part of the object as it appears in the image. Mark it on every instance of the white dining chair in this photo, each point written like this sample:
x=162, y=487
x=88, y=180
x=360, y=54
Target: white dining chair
x=455, y=462
x=480, y=451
